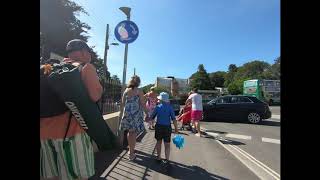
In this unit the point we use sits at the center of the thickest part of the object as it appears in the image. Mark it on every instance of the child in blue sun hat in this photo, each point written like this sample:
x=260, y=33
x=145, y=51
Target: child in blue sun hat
x=165, y=114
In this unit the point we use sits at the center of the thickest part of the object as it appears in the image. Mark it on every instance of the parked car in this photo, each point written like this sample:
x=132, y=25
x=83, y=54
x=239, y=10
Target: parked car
x=236, y=107
x=176, y=106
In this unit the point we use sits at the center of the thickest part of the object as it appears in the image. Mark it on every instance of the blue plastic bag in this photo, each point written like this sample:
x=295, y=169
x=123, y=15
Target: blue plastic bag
x=178, y=140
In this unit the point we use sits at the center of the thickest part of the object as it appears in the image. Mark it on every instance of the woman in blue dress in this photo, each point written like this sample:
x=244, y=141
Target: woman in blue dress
x=133, y=117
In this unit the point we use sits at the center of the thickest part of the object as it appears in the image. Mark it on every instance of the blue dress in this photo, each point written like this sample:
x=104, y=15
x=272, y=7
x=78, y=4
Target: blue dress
x=132, y=115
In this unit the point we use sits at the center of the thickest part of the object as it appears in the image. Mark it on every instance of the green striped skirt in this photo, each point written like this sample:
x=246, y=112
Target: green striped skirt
x=69, y=159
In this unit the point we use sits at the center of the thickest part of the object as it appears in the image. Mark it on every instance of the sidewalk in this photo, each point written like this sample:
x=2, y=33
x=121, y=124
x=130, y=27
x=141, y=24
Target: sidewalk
x=201, y=158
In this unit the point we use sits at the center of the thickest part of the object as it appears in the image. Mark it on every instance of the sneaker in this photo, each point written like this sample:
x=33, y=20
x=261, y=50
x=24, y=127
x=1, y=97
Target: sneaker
x=166, y=163
x=159, y=160
x=198, y=135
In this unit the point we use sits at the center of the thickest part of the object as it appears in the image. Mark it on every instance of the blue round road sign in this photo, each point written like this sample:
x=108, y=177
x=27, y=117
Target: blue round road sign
x=126, y=32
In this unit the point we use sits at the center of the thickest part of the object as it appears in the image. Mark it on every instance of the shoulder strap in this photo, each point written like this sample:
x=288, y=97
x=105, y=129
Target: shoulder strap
x=68, y=126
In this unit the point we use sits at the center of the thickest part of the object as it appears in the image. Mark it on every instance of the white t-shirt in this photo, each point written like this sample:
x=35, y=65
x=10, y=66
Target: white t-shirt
x=196, y=101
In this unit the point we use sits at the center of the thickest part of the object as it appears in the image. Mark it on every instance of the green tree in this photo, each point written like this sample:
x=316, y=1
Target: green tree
x=59, y=24
x=160, y=89
x=201, y=79
x=275, y=69
x=254, y=70
x=234, y=89
x=217, y=78
x=116, y=79
x=229, y=77
x=146, y=88
x=98, y=63
x=232, y=68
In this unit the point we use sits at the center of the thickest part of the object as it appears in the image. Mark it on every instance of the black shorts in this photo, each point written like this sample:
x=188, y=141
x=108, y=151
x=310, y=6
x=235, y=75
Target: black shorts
x=163, y=132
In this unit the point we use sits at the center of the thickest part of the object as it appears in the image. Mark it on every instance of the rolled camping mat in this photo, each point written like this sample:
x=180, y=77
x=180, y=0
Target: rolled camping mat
x=65, y=80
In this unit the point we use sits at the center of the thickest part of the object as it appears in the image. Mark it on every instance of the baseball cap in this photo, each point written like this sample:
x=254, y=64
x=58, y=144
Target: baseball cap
x=163, y=96
x=76, y=45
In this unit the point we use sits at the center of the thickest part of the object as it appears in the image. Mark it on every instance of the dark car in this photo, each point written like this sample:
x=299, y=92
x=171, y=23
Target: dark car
x=238, y=107
x=176, y=106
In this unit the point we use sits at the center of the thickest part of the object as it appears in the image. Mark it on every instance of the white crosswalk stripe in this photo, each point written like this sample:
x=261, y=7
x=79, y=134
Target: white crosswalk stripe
x=269, y=140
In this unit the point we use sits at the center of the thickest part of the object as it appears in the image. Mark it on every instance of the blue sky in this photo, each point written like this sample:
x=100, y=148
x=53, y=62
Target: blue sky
x=175, y=36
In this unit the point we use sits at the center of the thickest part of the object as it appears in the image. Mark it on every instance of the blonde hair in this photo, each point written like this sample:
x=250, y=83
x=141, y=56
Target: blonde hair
x=152, y=88
x=134, y=82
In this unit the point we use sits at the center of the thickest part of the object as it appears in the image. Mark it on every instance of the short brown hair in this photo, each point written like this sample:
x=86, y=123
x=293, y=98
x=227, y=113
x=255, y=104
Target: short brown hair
x=134, y=82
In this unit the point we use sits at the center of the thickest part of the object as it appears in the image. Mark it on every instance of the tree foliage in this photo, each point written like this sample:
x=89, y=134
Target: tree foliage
x=234, y=78
x=201, y=79
x=146, y=88
x=217, y=78
x=59, y=24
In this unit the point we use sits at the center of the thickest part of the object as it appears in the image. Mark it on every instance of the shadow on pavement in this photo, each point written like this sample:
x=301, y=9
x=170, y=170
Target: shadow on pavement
x=270, y=123
x=223, y=141
x=183, y=133
x=176, y=170
x=103, y=160
x=141, y=136
x=214, y=131
x=231, y=142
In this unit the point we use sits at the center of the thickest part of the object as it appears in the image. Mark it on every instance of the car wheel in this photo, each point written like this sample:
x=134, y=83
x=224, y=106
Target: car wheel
x=254, y=118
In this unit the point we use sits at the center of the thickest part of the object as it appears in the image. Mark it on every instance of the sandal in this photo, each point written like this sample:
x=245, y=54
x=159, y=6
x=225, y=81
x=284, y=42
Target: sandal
x=132, y=157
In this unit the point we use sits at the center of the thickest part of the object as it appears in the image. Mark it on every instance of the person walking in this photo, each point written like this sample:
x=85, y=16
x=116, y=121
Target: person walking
x=196, y=110
x=66, y=151
x=165, y=114
x=132, y=118
x=151, y=98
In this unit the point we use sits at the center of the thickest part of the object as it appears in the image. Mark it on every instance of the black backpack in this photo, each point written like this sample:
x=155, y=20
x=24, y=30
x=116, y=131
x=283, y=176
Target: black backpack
x=50, y=103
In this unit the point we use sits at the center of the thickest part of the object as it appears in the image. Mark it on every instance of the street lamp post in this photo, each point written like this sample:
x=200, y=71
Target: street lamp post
x=105, y=68
x=126, y=11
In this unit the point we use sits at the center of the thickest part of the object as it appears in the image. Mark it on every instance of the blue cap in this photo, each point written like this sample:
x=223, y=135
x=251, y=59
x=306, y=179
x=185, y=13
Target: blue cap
x=163, y=96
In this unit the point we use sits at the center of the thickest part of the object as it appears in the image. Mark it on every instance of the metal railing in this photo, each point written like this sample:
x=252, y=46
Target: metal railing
x=112, y=96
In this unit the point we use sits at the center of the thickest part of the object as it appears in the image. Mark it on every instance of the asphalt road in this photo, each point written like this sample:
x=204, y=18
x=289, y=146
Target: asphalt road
x=200, y=158
x=275, y=109
x=261, y=143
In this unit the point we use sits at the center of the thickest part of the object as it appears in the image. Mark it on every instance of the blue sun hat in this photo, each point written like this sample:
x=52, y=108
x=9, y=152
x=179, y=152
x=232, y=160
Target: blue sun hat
x=163, y=96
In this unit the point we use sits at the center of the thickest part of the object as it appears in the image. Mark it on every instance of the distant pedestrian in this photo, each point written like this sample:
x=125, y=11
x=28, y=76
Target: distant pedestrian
x=151, y=98
x=196, y=110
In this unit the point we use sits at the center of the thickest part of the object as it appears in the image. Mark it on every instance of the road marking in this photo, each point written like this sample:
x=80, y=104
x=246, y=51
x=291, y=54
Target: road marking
x=269, y=140
x=275, y=116
x=213, y=134
x=258, y=168
x=238, y=136
x=257, y=161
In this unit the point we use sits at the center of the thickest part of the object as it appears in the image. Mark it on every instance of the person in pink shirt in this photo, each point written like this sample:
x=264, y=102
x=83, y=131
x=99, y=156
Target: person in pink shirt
x=151, y=97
